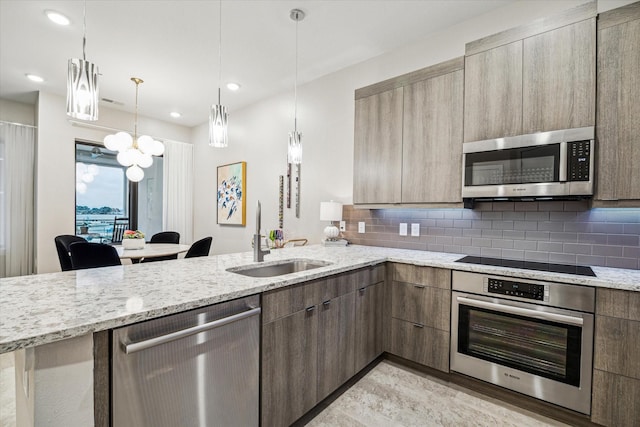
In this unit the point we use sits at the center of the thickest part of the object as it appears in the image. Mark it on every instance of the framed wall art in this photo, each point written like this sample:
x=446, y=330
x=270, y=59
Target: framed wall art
x=232, y=202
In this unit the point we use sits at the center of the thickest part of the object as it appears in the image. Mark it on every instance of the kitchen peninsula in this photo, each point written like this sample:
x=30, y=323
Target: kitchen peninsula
x=68, y=307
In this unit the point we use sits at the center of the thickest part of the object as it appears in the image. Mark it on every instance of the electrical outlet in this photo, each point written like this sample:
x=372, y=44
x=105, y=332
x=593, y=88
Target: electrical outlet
x=403, y=228
x=415, y=230
x=361, y=227
x=343, y=225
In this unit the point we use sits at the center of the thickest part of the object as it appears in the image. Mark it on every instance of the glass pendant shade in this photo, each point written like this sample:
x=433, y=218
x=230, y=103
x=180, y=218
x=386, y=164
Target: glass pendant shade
x=294, y=152
x=218, y=123
x=82, y=90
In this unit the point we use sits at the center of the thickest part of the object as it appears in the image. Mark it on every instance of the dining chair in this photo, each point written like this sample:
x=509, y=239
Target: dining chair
x=199, y=248
x=62, y=246
x=164, y=237
x=92, y=255
x=120, y=225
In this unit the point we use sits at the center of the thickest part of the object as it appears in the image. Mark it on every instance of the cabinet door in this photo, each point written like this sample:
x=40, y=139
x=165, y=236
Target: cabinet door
x=378, y=148
x=618, y=120
x=336, y=339
x=289, y=367
x=368, y=321
x=559, y=75
x=432, y=140
x=493, y=93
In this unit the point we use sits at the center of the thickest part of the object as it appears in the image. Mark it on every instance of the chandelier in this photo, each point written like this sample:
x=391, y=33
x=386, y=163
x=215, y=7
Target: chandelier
x=218, y=117
x=134, y=152
x=294, y=149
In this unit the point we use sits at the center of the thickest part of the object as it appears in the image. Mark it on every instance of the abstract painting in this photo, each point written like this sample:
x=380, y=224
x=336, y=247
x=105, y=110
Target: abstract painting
x=231, y=194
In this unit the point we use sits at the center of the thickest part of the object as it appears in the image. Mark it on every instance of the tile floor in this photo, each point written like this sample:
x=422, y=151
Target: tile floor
x=394, y=396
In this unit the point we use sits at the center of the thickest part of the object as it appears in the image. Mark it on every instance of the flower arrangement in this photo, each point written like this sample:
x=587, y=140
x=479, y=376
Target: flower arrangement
x=133, y=234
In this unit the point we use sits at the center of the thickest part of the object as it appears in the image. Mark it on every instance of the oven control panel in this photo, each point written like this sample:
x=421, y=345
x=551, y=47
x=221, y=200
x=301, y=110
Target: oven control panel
x=517, y=289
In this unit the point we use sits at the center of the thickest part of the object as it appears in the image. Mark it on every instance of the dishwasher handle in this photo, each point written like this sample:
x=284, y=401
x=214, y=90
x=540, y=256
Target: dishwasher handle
x=163, y=339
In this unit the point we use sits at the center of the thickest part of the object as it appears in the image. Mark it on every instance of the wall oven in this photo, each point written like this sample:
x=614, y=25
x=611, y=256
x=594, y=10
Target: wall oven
x=557, y=164
x=532, y=337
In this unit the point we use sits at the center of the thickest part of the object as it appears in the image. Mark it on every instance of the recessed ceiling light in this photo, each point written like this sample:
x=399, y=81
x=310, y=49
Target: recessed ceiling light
x=34, y=78
x=233, y=86
x=175, y=114
x=57, y=17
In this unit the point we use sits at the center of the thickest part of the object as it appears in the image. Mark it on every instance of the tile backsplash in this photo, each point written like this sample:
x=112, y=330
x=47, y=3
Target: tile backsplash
x=558, y=232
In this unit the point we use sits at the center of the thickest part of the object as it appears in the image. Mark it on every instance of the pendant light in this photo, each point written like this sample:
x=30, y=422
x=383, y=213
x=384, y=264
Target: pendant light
x=134, y=152
x=294, y=151
x=82, y=83
x=218, y=118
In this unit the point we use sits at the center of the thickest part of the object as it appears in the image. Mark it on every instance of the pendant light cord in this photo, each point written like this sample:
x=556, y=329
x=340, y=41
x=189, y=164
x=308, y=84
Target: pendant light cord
x=295, y=86
x=135, y=123
x=220, y=52
x=84, y=30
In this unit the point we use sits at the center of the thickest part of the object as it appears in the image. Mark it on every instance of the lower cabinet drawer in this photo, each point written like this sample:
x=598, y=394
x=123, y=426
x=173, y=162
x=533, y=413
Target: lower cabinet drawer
x=421, y=344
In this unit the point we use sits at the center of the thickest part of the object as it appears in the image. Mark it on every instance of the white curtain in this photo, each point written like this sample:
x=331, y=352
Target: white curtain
x=177, y=206
x=17, y=184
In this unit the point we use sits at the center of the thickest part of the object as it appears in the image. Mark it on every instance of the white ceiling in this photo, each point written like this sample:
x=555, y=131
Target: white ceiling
x=173, y=46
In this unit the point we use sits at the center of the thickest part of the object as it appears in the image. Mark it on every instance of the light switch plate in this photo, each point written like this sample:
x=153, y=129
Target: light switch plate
x=415, y=230
x=403, y=228
x=361, y=227
x=343, y=225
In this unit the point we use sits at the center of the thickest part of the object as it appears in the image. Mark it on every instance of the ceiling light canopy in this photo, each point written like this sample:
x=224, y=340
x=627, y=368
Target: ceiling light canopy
x=294, y=149
x=57, y=17
x=218, y=117
x=134, y=152
x=82, y=83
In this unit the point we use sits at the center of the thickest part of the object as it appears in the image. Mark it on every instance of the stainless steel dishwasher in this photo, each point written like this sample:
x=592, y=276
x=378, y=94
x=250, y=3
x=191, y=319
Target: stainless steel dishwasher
x=197, y=368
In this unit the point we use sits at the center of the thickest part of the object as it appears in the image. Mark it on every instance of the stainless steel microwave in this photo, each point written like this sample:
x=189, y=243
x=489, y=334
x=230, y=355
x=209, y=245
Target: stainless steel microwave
x=540, y=166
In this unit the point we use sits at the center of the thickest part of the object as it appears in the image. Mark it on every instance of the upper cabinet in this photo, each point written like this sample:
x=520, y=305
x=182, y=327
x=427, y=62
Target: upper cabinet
x=408, y=138
x=534, y=78
x=618, y=116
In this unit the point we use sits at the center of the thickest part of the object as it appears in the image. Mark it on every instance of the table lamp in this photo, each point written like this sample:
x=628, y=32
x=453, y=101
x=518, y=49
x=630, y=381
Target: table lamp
x=331, y=211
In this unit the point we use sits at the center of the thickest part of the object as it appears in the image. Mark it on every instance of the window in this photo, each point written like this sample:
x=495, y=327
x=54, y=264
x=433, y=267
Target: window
x=103, y=194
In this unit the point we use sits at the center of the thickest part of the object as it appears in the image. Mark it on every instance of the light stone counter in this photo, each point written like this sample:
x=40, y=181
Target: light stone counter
x=46, y=308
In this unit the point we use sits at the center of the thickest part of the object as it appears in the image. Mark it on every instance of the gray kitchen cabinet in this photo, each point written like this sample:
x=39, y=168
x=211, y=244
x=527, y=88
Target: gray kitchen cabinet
x=534, y=78
x=289, y=367
x=616, y=365
x=336, y=343
x=618, y=112
x=420, y=314
x=493, y=93
x=378, y=148
x=369, y=319
x=417, y=158
x=432, y=140
x=309, y=339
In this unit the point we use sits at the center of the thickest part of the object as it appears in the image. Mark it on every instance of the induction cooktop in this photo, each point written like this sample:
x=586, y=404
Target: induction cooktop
x=579, y=270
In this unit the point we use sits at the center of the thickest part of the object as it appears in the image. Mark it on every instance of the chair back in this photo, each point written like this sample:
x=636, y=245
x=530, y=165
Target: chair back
x=199, y=248
x=166, y=237
x=92, y=255
x=62, y=246
x=120, y=225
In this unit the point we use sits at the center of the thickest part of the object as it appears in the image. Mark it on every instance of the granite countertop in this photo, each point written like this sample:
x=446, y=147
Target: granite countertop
x=45, y=308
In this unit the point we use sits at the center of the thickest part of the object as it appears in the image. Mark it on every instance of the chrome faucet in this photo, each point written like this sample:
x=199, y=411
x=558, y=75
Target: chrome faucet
x=258, y=252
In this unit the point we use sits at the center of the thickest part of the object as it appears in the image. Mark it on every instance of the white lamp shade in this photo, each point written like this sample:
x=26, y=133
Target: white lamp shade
x=146, y=144
x=82, y=90
x=330, y=211
x=135, y=174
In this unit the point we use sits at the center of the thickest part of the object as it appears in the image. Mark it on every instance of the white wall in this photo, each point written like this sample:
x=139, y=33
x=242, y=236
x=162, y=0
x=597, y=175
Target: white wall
x=55, y=188
x=17, y=112
x=258, y=133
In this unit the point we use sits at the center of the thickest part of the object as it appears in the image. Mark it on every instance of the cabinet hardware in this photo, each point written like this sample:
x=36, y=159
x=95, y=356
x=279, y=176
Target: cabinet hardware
x=326, y=303
x=418, y=325
x=361, y=290
x=419, y=286
x=310, y=309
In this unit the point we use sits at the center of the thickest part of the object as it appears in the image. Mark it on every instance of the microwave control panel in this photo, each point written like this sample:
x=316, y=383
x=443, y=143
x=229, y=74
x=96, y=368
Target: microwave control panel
x=517, y=289
x=579, y=159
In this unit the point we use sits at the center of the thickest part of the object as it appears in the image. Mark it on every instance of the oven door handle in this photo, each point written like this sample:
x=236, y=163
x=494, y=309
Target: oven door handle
x=560, y=318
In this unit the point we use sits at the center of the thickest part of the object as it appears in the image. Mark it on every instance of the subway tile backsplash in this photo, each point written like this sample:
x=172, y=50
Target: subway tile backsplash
x=560, y=232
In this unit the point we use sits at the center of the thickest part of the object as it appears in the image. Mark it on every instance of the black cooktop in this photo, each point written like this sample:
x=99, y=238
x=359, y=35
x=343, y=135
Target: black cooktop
x=579, y=270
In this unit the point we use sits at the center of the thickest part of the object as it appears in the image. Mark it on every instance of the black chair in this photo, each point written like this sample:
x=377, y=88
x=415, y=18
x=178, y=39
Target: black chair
x=92, y=255
x=164, y=237
x=120, y=225
x=199, y=248
x=62, y=246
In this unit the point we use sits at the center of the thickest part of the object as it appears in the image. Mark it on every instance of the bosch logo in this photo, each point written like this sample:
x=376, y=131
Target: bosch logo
x=506, y=374
x=519, y=189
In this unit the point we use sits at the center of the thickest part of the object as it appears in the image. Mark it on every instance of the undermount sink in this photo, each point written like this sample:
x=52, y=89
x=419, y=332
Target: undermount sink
x=278, y=268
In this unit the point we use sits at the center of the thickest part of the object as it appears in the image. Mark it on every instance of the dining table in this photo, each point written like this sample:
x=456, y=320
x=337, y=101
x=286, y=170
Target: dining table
x=151, y=250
